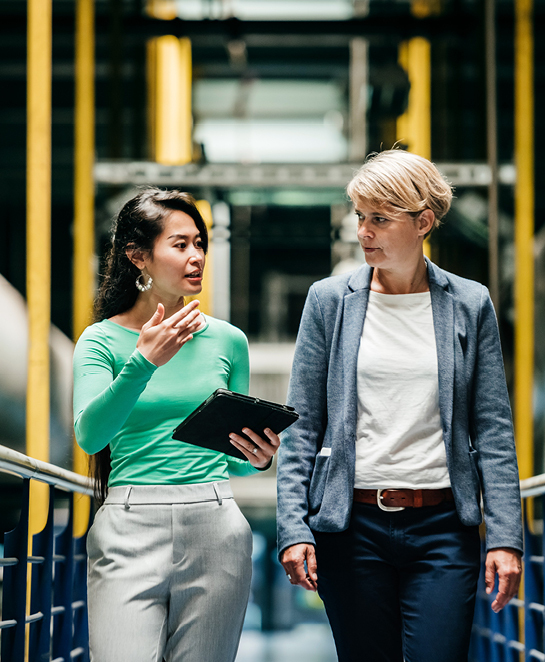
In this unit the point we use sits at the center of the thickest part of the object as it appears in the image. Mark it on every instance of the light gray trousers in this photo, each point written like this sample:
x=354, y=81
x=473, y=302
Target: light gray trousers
x=169, y=574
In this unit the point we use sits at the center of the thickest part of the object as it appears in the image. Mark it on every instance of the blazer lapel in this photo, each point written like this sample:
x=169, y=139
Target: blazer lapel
x=355, y=307
x=442, y=305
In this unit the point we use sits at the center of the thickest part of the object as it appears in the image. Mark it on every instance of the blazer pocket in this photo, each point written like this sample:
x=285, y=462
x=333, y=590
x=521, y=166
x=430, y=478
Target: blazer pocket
x=318, y=482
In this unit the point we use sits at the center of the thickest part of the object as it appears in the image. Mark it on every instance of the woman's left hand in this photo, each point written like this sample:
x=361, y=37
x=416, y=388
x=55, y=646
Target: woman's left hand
x=259, y=451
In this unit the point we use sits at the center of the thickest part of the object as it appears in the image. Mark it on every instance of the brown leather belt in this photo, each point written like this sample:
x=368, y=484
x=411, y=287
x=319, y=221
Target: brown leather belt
x=398, y=499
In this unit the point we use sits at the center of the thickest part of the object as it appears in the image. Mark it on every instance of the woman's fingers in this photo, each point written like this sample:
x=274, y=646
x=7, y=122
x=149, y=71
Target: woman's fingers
x=299, y=562
x=272, y=439
x=257, y=450
x=160, y=339
x=178, y=317
x=244, y=447
x=157, y=317
x=190, y=323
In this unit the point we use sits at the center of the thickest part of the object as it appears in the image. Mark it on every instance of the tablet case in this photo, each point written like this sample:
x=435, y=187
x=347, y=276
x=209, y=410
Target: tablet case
x=223, y=412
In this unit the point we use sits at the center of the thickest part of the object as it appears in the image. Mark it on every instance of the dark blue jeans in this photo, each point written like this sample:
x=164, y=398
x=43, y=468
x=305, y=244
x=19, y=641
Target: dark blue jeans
x=400, y=585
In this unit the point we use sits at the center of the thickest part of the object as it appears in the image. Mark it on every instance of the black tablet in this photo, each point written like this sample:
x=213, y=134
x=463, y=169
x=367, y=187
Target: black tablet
x=225, y=412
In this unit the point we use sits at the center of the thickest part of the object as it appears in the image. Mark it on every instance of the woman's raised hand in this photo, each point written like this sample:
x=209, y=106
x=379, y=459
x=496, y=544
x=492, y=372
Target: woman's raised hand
x=259, y=451
x=161, y=339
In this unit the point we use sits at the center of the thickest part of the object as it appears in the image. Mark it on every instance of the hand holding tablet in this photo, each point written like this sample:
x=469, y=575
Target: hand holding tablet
x=225, y=412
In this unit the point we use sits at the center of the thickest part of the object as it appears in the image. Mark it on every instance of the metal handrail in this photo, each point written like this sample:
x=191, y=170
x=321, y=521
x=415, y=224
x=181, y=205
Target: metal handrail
x=27, y=467
x=518, y=628
x=50, y=620
x=533, y=486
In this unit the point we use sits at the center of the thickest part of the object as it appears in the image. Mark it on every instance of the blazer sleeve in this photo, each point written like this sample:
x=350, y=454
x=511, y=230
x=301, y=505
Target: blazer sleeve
x=492, y=436
x=301, y=442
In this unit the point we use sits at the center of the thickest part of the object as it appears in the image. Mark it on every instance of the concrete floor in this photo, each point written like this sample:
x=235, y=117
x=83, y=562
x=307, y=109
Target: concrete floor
x=305, y=643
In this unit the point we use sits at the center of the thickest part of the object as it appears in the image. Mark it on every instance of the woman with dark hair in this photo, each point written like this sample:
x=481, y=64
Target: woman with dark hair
x=169, y=550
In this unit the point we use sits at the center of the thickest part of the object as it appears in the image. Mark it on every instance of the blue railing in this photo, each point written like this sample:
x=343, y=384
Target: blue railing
x=57, y=618
x=516, y=633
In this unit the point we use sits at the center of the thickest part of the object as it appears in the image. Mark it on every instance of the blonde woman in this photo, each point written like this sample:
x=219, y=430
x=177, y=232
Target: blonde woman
x=404, y=424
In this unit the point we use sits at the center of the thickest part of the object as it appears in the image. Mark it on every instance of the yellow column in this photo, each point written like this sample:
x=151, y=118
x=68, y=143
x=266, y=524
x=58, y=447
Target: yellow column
x=84, y=230
x=38, y=256
x=84, y=226
x=38, y=228
x=206, y=297
x=169, y=99
x=414, y=126
x=524, y=236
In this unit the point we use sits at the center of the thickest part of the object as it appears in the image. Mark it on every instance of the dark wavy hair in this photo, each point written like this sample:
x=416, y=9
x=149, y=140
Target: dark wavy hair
x=137, y=226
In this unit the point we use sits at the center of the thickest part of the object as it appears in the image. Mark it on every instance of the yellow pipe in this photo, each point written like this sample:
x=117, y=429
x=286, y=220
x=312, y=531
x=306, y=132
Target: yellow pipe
x=414, y=126
x=38, y=250
x=169, y=84
x=151, y=81
x=167, y=129
x=84, y=239
x=186, y=115
x=524, y=236
x=84, y=226
x=38, y=201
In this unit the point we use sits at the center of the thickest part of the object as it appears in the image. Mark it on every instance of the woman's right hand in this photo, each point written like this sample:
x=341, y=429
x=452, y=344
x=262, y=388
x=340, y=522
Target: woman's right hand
x=299, y=562
x=161, y=339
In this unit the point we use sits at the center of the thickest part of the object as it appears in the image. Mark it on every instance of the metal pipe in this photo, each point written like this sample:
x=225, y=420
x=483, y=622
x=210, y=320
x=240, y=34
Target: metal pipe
x=27, y=467
x=524, y=236
x=84, y=222
x=84, y=238
x=206, y=296
x=169, y=75
x=359, y=65
x=414, y=126
x=492, y=152
x=38, y=201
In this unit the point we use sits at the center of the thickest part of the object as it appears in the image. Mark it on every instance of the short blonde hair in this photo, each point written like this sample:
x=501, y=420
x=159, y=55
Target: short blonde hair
x=404, y=181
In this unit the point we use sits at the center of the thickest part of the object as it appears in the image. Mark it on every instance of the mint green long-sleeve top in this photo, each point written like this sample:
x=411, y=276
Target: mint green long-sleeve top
x=123, y=400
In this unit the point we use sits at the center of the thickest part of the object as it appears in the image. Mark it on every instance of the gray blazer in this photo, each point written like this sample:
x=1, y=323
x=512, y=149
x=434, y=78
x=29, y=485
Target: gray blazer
x=315, y=487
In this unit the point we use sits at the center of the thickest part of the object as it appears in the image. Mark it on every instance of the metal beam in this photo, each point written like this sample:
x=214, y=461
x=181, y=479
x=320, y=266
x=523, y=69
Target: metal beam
x=397, y=26
x=289, y=175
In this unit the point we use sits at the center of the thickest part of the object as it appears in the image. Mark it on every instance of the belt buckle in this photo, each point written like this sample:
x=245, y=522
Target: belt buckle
x=388, y=509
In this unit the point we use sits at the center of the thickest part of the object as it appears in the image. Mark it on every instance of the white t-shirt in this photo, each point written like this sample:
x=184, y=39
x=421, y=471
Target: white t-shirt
x=399, y=436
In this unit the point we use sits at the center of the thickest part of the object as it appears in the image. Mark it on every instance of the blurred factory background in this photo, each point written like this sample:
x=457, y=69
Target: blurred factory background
x=262, y=109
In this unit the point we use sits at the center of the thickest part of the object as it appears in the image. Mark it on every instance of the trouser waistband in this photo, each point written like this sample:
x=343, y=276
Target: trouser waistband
x=129, y=495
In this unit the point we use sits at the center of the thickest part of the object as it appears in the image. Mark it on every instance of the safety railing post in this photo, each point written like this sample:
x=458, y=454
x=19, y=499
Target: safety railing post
x=57, y=593
x=533, y=591
x=79, y=596
x=62, y=588
x=41, y=585
x=14, y=585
